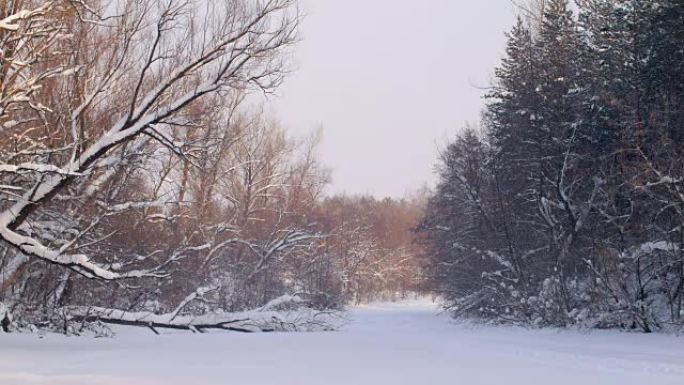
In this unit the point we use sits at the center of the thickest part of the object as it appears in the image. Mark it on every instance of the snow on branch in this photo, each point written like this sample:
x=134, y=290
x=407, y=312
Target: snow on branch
x=38, y=168
x=238, y=51
x=286, y=313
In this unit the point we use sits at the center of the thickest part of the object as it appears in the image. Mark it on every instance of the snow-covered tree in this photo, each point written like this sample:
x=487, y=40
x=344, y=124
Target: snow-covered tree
x=104, y=111
x=567, y=208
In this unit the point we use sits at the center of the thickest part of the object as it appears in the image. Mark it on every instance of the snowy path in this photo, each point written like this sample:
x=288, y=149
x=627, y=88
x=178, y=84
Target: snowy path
x=393, y=344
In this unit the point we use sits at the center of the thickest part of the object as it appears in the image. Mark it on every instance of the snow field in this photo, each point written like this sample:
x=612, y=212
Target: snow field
x=403, y=343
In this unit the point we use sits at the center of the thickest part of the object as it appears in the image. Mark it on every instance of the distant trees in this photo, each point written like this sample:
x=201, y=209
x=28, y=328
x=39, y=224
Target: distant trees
x=372, y=246
x=566, y=207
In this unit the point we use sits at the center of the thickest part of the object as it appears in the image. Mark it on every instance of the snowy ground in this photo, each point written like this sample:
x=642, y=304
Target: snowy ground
x=407, y=343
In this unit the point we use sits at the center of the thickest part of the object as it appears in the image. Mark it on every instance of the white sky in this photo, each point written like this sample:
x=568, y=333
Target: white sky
x=390, y=81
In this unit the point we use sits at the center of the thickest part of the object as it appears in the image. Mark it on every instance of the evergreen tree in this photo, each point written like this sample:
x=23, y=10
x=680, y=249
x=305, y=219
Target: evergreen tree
x=570, y=209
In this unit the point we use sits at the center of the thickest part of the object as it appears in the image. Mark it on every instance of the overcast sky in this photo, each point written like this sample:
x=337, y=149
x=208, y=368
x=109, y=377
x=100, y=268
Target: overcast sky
x=389, y=81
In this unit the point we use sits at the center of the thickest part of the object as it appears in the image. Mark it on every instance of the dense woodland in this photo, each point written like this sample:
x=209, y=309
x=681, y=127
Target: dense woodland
x=566, y=206
x=143, y=183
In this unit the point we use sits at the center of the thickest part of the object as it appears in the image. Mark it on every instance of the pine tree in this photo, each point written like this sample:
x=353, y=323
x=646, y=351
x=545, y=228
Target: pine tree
x=571, y=209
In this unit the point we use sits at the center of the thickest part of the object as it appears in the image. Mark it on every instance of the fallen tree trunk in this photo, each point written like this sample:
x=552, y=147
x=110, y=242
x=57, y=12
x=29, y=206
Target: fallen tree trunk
x=227, y=325
x=269, y=318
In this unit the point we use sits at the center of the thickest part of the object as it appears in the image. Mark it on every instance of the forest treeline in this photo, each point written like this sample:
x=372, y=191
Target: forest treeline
x=142, y=184
x=566, y=207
